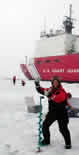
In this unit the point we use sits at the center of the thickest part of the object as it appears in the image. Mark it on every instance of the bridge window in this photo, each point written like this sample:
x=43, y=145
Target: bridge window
x=47, y=61
x=56, y=60
x=39, y=62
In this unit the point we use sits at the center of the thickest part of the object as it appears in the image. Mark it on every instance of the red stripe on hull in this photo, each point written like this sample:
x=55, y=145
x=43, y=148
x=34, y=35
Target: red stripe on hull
x=65, y=66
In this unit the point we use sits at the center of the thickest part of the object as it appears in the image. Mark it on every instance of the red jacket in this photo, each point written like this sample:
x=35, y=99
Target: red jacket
x=58, y=96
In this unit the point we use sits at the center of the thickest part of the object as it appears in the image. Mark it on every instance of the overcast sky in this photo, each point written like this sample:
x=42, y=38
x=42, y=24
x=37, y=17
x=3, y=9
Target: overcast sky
x=20, y=24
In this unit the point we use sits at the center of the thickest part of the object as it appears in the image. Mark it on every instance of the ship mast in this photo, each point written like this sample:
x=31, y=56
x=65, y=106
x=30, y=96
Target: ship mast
x=68, y=22
x=70, y=11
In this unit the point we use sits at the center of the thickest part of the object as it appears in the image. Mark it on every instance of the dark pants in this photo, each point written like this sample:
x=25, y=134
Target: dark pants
x=62, y=118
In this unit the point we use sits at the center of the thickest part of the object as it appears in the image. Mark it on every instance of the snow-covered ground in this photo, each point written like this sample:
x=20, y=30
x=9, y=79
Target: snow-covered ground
x=19, y=129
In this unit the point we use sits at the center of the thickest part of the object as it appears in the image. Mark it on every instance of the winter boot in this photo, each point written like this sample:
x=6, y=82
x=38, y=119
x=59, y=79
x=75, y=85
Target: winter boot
x=43, y=143
x=68, y=147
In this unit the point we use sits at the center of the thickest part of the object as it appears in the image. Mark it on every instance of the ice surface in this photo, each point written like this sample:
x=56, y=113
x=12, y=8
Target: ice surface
x=19, y=129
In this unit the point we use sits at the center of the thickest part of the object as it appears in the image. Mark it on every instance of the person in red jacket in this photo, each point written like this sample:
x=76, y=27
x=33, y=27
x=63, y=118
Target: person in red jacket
x=57, y=98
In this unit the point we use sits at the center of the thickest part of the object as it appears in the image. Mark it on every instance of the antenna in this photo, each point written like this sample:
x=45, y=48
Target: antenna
x=44, y=25
x=43, y=33
x=70, y=11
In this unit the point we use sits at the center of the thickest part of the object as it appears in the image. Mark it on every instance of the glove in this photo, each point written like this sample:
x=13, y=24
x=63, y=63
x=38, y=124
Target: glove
x=37, y=83
x=50, y=100
x=69, y=95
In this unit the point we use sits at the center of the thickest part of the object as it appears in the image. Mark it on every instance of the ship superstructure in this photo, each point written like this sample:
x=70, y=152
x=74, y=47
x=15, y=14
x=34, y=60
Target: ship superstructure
x=55, y=54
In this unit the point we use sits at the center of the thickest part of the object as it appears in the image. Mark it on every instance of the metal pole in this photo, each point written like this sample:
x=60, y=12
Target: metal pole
x=40, y=125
